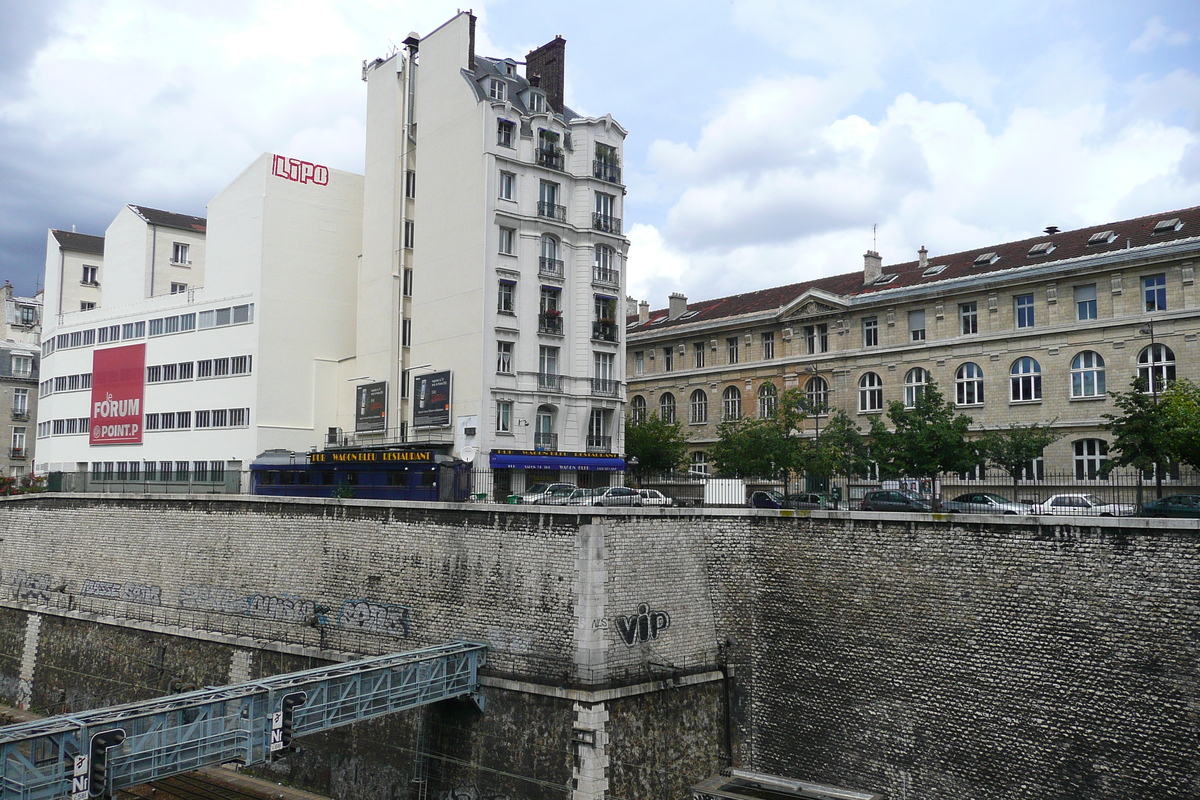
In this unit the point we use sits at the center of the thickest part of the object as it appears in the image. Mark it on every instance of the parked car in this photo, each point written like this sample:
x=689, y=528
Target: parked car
x=1088, y=505
x=616, y=496
x=768, y=498
x=893, y=500
x=549, y=493
x=1176, y=505
x=812, y=500
x=653, y=497
x=581, y=497
x=985, y=503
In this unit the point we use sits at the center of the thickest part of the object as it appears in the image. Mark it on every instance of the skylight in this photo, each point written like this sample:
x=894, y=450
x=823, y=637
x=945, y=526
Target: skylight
x=658, y=320
x=882, y=279
x=1168, y=225
x=934, y=270
x=986, y=258
x=687, y=314
x=1103, y=237
x=1041, y=249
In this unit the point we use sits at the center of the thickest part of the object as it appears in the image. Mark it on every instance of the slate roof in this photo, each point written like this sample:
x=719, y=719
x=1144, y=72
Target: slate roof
x=1137, y=232
x=80, y=242
x=168, y=219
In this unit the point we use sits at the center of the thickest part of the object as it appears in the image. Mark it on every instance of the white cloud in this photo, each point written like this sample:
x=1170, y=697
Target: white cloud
x=1157, y=33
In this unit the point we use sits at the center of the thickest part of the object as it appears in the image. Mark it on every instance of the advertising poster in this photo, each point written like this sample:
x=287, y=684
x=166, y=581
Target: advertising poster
x=370, y=410
x=431, y=400
x=118, y=379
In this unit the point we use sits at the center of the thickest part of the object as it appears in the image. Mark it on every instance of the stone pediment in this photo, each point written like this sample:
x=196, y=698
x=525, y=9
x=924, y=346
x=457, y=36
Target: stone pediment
x=813, y=303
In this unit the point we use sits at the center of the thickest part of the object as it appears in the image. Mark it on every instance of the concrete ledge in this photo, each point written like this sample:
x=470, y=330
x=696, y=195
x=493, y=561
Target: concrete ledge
x=599, y=695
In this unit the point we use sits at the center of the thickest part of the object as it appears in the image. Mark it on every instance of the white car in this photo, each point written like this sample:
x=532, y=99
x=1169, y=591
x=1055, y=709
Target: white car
x=554, y=494
x=1085, y=505
x=653, y=497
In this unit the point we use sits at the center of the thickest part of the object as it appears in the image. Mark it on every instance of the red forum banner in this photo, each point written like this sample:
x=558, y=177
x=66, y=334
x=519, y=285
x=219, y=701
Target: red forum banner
x=118, y=381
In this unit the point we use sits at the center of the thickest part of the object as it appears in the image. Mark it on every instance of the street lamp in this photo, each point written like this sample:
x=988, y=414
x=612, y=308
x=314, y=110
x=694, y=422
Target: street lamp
x=1148, y=329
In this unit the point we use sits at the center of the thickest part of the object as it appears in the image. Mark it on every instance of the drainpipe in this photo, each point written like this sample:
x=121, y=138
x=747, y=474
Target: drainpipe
x=153, y=254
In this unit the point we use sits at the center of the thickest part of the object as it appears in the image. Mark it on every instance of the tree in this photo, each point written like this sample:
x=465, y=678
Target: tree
x=839, y=449
x=1179, y=406
x=754, y=448
x=1142, y=437
x=927, y=439
x=658, y=446
x=1015, y=447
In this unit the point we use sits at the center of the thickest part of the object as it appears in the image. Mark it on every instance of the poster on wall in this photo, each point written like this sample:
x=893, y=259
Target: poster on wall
x=431, y=400
x=118, y=380
x=370, y=408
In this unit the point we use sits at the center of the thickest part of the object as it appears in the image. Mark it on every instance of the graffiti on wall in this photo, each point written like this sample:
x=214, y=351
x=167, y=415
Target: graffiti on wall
x=285, y=608
x=364, y=615
x=130, y=592
x=643, y=626
x=29, y=586
x=212, y=598
x=473, y=793
x=293, y=169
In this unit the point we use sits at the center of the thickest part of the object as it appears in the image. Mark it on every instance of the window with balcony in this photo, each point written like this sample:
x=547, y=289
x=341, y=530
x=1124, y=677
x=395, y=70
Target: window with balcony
x=1025, y=380
x=549, y=263
x=1024, y=310
x=870, y=393
x=604, y=326
x=18, y=442
x=606, y=166
x=504, y=357
x=731, y=400
x=604, y=374
x=599, y=439
x=504, y=133
x=548, y=205
x=604, y=218
x=699, y=407
x=20, y=404
x=549, y=154
x=768, y=400
x=550, y=310
x=603, y=266
x=698, y=349
x=666, y=407
x=22, y=366
x=544, y=437
x=1087, y=375
x=968, y=385
x=548, y=377
x=915, y=382
x=968, y=315
x=505, y=297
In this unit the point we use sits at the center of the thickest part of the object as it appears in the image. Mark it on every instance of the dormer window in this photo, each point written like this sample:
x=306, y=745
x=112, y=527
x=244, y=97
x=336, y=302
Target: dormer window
x=1041, y=249
x=537, y=102
x=937, y=270
x=986, y=259
x=882, y=279
x=1167, y=226
x=1103, y=237
x=28, y=315
x=497, y=89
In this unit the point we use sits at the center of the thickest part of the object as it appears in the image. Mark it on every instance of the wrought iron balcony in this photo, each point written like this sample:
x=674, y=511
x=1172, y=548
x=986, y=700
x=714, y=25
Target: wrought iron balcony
x=550, y=157
x=545, y=441
x=604, y=331
x=552, y=211
x=550, y=267
x=606, y=223
x=16, y=452
x=549, y=382
x=605, y=387
x=606, y=171
x=550, y=323
x=606, y=275
x=599, y=444
x=21, y=415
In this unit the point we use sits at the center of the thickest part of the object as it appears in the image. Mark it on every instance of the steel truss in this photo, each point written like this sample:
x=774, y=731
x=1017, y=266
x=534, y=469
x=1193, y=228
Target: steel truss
x=157, y=738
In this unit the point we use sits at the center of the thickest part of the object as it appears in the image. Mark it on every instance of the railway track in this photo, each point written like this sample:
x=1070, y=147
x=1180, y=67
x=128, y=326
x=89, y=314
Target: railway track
x=191, y=786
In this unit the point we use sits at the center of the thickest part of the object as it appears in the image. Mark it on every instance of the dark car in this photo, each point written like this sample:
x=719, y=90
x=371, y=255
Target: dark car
x=894, y=500
x=1176, y=505
x=812, y=500
x=767, y=499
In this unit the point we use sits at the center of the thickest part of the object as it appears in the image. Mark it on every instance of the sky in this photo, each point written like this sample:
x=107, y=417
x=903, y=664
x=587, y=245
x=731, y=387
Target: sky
x=770, y=141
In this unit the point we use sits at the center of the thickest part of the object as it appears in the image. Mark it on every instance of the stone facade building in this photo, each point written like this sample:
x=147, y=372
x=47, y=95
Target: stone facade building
x=22, y=325
x=1036, y=330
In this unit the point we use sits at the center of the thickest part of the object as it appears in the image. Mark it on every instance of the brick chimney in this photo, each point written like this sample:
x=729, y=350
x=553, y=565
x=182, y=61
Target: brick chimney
x=548, y=63
x=922, y=257
x=643, y=312
x=872, y=267
x=676, y=305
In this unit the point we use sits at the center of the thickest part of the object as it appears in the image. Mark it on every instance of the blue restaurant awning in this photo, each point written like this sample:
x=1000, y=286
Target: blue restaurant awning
x=556, y=461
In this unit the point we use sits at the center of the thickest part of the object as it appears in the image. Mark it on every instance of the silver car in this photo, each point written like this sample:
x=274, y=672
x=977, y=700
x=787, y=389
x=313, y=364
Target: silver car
x=1088, y=505
x=616, y=496
x=985, y=503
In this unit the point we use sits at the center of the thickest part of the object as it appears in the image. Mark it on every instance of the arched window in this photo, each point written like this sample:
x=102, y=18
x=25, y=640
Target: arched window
x=700, y=462
x=1087, y=375
x=816, y=392
x=968, y=384
x=870, y=392
x=914, y=385
x=1090, y=455
x=1156, y=366
x=732, y=400
x=666, y=407
x=699, y=407
x=1026, y=379
x=768, y=398
x=637, y=408
x=550, y=263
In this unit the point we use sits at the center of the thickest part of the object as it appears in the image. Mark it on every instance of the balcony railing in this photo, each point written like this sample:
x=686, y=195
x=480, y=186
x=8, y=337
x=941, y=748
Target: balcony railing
x=548, y=323
x=606, y=223
x=552, y=211
x=606, y=275
x=604, y=331
x=599, y=444
x=550, y=267
x=21, y=415
x=606, y=171
x=16, y=452
x=605, y=387
x=550, y=157
x=549, y=382
x=545, y=441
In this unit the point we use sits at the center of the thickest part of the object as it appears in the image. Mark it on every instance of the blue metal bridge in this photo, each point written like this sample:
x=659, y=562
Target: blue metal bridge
x=94, y=753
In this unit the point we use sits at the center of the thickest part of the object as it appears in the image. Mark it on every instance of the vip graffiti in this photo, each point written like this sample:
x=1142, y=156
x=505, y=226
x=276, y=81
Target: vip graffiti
x=643, y=626
x=283, y=609
x=300, y=171
x=364, y=615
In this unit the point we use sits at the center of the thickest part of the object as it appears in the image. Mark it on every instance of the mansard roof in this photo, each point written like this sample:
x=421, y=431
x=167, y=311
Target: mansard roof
x=80, y=242
x=168, y=219
x=1024, y=253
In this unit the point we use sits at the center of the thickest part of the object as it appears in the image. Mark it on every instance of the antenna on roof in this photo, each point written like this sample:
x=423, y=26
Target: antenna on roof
x=874, y=238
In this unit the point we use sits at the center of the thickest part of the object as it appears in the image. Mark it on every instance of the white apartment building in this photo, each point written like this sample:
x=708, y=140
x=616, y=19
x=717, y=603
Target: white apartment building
x=479, y=261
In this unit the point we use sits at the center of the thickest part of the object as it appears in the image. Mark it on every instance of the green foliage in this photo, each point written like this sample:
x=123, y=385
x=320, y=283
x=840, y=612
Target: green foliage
x=658, y=446
x=24, y=484
x=840, y=449
x=1011, y=449
x=1179, y=406
x=1142, y=437
x=926, y=440
x=754, y=448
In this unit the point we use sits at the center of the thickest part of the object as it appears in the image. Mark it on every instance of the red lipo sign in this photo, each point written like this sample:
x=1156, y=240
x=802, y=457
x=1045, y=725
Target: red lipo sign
x=118, y=381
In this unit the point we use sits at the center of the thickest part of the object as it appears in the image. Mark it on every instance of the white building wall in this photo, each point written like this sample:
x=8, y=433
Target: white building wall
x=63, y=281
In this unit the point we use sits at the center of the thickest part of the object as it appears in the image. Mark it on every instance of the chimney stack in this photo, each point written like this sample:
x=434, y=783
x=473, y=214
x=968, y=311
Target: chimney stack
x=548, y=64
x=922, y=257
x=872, y=267
x=643, y=312
x=676, y=305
